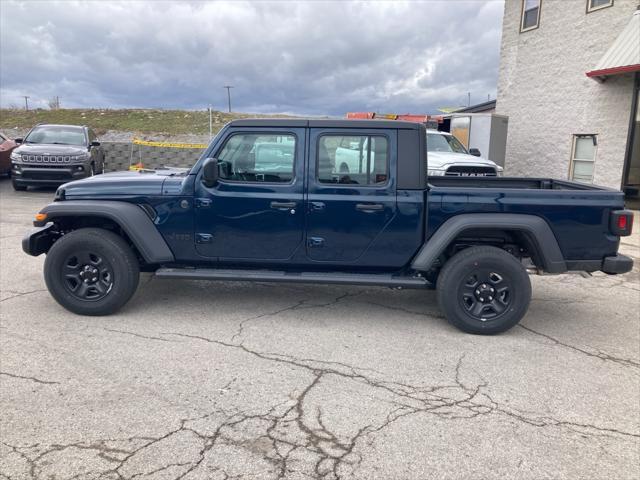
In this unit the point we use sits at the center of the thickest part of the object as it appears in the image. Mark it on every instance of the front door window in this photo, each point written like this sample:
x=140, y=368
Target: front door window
x=250, y=157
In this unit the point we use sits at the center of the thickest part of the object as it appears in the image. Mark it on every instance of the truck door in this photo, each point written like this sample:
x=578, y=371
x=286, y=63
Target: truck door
x=351, y=193
x=255, y=211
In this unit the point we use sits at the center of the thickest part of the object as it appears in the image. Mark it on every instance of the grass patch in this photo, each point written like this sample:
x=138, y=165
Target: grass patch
x=169, y=122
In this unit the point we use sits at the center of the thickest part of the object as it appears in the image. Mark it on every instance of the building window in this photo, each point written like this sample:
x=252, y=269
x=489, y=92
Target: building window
x=593, y=5
x=583, y=158
x=530, y=15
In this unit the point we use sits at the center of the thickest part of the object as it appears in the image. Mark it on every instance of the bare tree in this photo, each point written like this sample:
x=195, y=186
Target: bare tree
x=54, y=103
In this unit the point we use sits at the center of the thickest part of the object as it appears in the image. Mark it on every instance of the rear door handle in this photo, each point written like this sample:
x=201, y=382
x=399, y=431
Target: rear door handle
x=369, y=207
x=283, y=205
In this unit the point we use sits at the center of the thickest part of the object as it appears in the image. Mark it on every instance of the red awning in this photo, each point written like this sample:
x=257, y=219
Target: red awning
x=624, y=54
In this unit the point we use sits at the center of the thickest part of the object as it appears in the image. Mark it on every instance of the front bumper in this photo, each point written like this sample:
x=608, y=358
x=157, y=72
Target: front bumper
x=25, y=175
x=617, y=264
x=38, y=240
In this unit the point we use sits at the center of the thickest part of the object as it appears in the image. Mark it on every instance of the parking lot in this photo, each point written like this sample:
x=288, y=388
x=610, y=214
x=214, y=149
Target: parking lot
x=203, y=380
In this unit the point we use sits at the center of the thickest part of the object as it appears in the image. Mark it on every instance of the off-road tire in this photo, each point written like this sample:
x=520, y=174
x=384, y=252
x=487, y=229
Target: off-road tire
x=105, y=253
x=466, y=304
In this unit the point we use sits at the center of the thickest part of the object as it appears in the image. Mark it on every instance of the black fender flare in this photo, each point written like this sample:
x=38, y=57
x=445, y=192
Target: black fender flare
x=133, y=220
x=536, y=228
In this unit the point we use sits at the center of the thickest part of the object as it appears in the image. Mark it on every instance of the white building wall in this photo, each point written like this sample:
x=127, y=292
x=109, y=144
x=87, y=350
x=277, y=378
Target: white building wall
x=543, y=89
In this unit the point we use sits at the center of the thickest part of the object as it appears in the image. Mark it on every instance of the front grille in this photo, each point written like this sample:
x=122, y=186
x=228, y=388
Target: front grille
x=50, y=158
x=39, y=165
x=51, y=174
x=470, y=171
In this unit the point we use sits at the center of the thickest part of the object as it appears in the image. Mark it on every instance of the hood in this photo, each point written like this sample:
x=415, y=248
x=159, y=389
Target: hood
x=139, y=183
x=442, y=160
x=49, y=149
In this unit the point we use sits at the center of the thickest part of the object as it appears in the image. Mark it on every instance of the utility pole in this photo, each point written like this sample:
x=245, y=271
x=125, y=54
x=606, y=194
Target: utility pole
x=468, y=99
x=210, y=124
x=228, y=87
x=26, y=102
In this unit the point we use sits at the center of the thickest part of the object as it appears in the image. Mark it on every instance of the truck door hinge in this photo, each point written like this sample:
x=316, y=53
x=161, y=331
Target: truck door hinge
x=203, y=202
x=204, y=238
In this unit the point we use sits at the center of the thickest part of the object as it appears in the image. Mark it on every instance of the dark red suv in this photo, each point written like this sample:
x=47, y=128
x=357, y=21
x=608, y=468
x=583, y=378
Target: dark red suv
x=6, y=147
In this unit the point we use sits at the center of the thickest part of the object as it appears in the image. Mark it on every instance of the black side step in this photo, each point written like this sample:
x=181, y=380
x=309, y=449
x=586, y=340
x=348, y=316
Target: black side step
x=384, y=280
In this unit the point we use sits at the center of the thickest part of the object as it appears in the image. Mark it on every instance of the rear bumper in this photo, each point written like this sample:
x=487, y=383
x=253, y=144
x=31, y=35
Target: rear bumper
x=612, y=265
x=617, y=264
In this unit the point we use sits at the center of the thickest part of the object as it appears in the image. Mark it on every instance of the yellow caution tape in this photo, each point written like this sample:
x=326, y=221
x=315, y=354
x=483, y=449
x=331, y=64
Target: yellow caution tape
x=137, y=141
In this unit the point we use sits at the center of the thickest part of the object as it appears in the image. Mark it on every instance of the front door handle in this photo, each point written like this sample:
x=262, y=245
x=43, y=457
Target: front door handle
x=369, y=207
x=283, y=205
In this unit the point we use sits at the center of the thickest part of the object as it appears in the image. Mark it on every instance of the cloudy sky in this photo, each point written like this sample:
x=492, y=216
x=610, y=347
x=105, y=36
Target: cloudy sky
x=322, y=58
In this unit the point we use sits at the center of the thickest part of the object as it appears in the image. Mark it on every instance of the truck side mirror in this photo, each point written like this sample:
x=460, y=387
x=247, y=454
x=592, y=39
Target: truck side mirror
x=475, y=152
x=17, y=140
x=210, y=172
x=95, y=144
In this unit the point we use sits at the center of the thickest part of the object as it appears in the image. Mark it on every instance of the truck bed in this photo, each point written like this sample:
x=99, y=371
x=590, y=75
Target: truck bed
x=575, y=212
x=512, y=183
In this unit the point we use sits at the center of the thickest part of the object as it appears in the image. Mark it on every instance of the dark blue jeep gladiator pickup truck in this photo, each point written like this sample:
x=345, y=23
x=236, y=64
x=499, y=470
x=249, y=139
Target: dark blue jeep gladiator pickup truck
x=328, y=202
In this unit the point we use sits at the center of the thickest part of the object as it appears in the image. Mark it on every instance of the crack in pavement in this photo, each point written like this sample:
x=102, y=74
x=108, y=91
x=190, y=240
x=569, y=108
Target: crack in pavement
x=21, y=294
x=406, y=310
x=33, y=379
x=299, y=305
x=600, y=354
x=279, y=435
x=133, y=334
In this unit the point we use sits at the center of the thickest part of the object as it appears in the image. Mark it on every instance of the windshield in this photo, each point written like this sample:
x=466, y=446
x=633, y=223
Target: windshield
x=57, y=135
x=437, y=142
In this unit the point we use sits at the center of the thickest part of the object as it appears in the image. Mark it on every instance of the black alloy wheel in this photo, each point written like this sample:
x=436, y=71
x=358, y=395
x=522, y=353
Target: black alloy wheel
x=485, y=295
x=87, y=275
x=483, y=290
x=91, y=271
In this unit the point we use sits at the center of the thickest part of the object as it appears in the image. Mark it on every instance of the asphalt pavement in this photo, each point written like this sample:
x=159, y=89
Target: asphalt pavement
x=213, y=380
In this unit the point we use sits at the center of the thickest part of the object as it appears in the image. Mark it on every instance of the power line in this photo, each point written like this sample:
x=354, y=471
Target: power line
x=228, y=87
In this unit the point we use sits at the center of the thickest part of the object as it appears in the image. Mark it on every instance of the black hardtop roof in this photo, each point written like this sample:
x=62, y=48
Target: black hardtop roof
x=324, y=123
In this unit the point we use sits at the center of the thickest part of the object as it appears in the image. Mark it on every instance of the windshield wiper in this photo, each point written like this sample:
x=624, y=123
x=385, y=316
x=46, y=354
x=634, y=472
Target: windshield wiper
x=60, y=143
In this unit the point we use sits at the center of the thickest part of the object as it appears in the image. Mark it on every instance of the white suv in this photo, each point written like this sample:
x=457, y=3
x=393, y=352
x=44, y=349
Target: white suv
x=447, y=156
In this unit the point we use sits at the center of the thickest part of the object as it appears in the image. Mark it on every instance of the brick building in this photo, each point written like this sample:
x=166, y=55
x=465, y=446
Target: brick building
x=569, y=80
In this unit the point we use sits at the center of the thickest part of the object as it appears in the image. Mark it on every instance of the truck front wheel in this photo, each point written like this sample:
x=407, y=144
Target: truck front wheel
x=91, y=271
x=483, y=290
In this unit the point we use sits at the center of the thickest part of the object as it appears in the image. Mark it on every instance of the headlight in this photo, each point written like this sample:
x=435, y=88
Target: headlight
x=434, y=173
x=81, y=158
x=16, y=157
x=499, y=170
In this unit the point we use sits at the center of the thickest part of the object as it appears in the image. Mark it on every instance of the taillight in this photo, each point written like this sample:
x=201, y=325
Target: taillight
x=621, y=222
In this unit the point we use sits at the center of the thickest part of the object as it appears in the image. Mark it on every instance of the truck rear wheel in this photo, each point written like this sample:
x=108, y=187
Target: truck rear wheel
x=484, y=290
x=91, y=271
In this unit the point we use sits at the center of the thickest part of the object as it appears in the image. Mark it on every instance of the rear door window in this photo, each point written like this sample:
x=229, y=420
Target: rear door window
x=353, y=160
